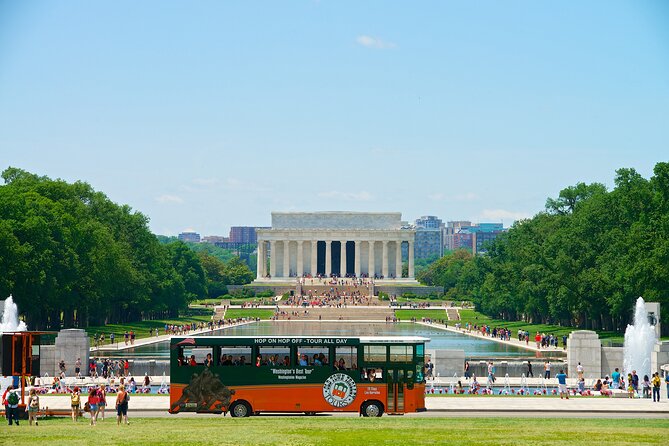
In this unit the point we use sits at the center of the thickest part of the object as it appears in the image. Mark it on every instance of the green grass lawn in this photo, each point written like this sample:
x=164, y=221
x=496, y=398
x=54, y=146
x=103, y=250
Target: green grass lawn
x=405, y=315
x=141, y=328
x=339, y=431
x=249, y=312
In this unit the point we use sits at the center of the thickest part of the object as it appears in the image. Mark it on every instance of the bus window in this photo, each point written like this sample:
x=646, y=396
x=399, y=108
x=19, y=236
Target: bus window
x=401, y=353
x=346, y=358
x=193, y=356
x=375, y=353
x=313, y=356
x=420, y=352
x=236, y=356
x=372, y=374
x=274, y=356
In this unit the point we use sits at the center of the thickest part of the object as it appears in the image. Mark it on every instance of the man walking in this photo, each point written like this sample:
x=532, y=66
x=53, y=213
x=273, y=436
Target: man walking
x=547, y=370
x=579, y=370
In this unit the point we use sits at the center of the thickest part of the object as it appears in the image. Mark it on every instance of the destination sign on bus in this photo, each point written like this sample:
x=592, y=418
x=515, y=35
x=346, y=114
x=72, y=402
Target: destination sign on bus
x=302, y=341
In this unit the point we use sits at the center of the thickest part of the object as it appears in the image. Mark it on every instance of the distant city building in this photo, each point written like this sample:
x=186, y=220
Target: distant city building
x=189, y=237
x=244, y=234
x=451, y=242
x=215, y=239
x=429, y=237
x=465, y=235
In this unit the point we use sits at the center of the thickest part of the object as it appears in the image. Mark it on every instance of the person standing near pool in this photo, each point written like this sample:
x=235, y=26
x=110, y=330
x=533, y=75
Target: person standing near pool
x=562, y=383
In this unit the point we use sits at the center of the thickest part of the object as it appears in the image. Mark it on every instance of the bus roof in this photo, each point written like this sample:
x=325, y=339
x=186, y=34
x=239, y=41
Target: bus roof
x=361, y=339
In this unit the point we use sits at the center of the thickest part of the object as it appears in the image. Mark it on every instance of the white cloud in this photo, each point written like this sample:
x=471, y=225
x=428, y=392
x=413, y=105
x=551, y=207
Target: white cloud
x=438, y=196
x=166, y=198
x=503, y=214
x=348, y=196
x=206, y=181
x=374, y=42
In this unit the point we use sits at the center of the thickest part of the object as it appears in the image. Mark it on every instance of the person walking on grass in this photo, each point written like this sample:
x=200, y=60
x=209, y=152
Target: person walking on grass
x=75, y=403
x=32, y=407
x=122, y=398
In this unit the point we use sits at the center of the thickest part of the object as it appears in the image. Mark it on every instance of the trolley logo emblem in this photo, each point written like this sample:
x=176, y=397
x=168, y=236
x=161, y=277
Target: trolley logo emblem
x=339, y=390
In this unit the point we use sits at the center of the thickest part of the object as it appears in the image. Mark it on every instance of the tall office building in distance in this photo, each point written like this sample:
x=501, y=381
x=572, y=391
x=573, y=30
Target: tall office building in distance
x=429, y=237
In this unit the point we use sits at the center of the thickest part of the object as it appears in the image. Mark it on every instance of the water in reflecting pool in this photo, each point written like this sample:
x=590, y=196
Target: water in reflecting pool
x=474, y=347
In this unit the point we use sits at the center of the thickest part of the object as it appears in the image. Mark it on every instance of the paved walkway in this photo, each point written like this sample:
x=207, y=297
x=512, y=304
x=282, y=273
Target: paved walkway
x=477, y=334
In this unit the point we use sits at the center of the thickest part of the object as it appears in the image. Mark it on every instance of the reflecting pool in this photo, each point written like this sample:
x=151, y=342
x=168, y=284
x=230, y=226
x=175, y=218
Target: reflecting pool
x=474, y=347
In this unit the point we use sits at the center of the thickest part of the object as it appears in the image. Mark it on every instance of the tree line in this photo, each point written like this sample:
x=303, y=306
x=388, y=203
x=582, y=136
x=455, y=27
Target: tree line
x=582, y=262
x=73, y=258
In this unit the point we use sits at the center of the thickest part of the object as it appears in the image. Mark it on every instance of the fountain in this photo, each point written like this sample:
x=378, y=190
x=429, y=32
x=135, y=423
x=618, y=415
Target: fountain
x=639, y=341
x=10, y=318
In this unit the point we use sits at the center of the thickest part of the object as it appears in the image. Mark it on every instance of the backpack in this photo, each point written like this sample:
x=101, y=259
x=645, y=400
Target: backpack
x=75, y=399
x=12, y=398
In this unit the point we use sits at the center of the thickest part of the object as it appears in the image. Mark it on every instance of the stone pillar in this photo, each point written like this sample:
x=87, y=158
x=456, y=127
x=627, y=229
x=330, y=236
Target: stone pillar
x=259, y=261
x=314, y=257
x=357, y=258
x=328, y=257
x=300, y=259
x=584, y=346
x=411, y=270
x=398, y=259
x=272, y=258
x=384, y=264
x=286, y=258
x=372, y=267
x=342, y=259
x=71, y=343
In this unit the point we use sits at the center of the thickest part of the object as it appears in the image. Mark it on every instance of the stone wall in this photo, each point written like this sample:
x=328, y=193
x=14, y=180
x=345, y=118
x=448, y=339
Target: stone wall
x=612, y=357
x=336, y=220
x=448, y=362
x=584, y=346
x=70, y=344
x=417, y=290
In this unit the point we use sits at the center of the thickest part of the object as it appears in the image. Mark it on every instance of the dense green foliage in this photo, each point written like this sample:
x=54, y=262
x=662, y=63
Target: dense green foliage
x=72, y=258
x=583, y=262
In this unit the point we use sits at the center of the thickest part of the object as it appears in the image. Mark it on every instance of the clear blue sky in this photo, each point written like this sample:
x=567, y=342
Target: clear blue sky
x=204, y=115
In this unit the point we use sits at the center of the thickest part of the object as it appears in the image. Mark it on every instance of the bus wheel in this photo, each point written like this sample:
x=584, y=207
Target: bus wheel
x=372, y=409
x=240, y=409
x=310, y=414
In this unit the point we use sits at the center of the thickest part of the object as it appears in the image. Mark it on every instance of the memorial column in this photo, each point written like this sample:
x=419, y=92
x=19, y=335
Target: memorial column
x=328, y=258
x=272, y=258
x=411, y=271
x=357, y=258
x=261, y=256
x=300, y=259
x=384, y=264
x=371, y=268
x=342, y=259
x=398, y=259
x=286, y=258
x=314, y=258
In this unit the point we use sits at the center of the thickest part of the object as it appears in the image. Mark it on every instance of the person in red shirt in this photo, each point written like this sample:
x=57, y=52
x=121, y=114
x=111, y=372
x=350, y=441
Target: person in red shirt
x=93, y=400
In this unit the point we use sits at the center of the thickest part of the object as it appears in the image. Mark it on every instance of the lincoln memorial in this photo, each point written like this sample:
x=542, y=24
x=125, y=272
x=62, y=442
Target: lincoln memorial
x=353, y=244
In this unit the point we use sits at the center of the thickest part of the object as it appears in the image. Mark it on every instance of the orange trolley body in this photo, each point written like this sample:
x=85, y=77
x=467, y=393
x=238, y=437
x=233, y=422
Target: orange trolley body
x=248, y=375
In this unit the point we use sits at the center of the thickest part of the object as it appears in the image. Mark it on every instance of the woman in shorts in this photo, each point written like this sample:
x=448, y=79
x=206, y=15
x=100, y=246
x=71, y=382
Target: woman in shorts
x=93, y=401
x=75, y=403
x=122, y=405
x=102, y=402
x=32, y=407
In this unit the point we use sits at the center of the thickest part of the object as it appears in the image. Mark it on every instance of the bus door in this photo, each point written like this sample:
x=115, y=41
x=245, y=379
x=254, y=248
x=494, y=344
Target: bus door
x=396, y=387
